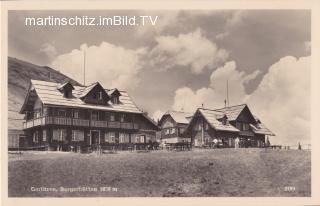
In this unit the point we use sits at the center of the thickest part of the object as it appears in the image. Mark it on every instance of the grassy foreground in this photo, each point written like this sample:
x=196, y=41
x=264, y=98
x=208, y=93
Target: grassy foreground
x=220, y=172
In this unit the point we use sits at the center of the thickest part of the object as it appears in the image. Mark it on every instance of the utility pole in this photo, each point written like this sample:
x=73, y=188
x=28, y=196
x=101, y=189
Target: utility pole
x=84, y=68
x=227, y=93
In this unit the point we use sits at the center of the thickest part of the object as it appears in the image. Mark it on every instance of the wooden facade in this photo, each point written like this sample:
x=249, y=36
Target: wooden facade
x=173, y=125
x=221, y=128
x=58, y=118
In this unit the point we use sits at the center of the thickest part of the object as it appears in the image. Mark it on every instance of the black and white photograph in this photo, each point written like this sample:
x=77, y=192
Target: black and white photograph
x=159, y=103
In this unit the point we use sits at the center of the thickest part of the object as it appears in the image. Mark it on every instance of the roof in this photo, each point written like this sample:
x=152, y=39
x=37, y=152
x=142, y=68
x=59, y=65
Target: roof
x=86, y=90
x=61, y=86
x=212, y=117
x=260, y=128
x=113, y=91
x=232, y=112
x=50, y=95
x=179, y=117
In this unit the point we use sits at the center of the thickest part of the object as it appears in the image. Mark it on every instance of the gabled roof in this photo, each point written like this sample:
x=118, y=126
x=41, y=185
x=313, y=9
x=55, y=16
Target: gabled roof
x=61, y=86
x=178, y=117
x=87, y=89
x=113, y=92
x=50, y=95
x=232, y=112
x=212, y=116
x=151, y=120
x=260, y=128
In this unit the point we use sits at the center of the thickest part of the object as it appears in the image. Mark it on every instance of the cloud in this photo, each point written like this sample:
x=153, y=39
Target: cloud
x=281, y=101
x=192, y=50
x=235, y=19
x=157, y=115
x=49, y=50
x=214, y=95
x=111, y=65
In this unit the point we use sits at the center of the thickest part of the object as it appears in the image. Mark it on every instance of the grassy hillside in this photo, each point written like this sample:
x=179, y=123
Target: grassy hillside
x=19, y=75
x=222, y=172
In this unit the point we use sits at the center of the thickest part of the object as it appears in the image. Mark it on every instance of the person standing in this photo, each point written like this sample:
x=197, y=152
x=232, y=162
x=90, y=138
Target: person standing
x=236, y=145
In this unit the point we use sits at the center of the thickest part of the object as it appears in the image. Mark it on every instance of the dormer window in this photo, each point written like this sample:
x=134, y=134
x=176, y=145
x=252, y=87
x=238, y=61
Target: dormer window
x=225, y=120
x=115, y=94
x=66, y=89
x=67, y=93
x=115, y=100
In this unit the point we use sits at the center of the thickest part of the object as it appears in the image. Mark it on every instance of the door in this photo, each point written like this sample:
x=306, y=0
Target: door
x=94, y=137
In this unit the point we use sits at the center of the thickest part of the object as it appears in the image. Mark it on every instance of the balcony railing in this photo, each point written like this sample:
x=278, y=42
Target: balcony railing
x=78, y=122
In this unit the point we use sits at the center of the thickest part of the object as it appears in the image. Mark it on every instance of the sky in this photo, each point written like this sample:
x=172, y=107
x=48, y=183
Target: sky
x=186, y=59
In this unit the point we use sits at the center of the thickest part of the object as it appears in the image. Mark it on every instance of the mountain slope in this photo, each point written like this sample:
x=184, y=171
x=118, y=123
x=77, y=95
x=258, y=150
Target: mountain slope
x=19, y=75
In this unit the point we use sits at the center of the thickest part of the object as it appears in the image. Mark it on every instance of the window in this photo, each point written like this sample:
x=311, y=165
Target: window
x=206, y=126
x=245, y=126
x=112, y=117
x=77, y=135
x=122, y=117
x=115, y=100
x=167, y=131
x=45, y=111
x=142, y=138
x=110, y=137
x=44, y=135
x=59, y=134
x=37, y=114
x=238, y=125
x=94, y=115
x=75, y=114
x=100, y=95
x=67, y=93
x=121, y=138
x=173, y=130
x=137, y=139
x=36, y=137
x=62, y=113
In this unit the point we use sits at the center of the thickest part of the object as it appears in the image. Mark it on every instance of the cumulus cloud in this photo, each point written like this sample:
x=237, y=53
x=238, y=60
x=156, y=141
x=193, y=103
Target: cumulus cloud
x=49, y=50
x=192, y=50
x=157, y=115
x=214, y=95
x=281, y=101
x=235, y=19
x=113, y=66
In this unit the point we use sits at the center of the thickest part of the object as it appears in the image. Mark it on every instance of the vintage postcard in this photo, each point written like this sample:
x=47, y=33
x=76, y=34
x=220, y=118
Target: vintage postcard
x=160, y=103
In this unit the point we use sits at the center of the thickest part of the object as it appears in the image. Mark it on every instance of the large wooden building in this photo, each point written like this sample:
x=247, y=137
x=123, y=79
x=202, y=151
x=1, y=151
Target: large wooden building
x=66, y=117
x=226, y=125
x=173, y=125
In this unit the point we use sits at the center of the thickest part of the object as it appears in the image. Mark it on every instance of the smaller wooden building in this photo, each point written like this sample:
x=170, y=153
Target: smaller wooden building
x=226, y=126
x=173, y=125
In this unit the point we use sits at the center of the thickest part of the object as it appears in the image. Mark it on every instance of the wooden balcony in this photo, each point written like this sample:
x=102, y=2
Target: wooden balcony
x=41, y=121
